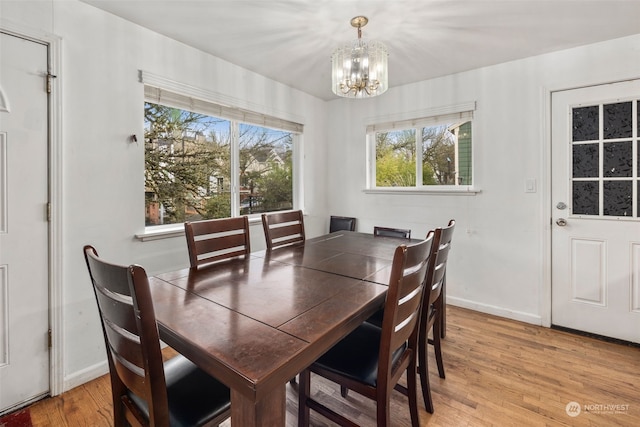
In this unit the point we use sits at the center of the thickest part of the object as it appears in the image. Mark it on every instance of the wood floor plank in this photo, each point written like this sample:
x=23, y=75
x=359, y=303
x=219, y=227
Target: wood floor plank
x=499, y=372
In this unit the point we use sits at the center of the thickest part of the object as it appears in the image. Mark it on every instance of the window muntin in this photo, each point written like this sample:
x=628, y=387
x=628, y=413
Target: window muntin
x=445, y=148
x=198, y=166
x=605, y=160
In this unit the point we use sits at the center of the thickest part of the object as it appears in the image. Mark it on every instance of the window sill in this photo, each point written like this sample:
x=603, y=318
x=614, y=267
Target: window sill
x=448, y=191
x=158, y=232
x=161, y=232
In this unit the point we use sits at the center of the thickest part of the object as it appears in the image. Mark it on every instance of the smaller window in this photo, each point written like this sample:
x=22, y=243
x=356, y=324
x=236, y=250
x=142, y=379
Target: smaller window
x=421, y=153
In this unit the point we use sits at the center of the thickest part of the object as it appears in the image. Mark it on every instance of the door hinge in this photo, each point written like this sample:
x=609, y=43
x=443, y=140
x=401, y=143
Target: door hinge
x=49, y=339
x=48, y=213
x=49, y=81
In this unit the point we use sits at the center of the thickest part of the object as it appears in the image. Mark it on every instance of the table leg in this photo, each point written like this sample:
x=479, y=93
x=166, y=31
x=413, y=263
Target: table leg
x=270, y=411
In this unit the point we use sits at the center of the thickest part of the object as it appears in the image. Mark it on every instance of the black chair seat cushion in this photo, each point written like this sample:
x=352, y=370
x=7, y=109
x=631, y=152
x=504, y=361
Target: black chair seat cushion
x=194, y=396
x=376, y=318
x=356, y=356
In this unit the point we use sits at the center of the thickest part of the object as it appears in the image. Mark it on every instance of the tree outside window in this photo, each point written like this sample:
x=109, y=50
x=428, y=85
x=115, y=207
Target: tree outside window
x=265, y=169
x=445, y=158
x=396, y=158
x=188, y=167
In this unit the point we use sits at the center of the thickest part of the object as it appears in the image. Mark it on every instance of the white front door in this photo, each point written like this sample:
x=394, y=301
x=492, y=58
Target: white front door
x=24, y=285
x=596, y=210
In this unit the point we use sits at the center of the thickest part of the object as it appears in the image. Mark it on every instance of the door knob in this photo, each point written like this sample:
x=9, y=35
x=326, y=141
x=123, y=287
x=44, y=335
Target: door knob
x=561, y=222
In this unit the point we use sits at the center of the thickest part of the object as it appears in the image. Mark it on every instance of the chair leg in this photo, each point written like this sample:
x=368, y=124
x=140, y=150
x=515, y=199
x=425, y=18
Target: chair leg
x=383, y=414
x=436, y=344
x=118, y=390
x=412, y=388
x=423, y=370
x=344, y=391
x=304, y=390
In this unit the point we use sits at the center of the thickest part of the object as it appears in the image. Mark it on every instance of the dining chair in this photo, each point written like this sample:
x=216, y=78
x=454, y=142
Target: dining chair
x=391, y=232
x=146, y=391
x=371, y=360
x=217, y=239
x=337, y=223
x=283, y=228
x=433, y=309
x=445, y=239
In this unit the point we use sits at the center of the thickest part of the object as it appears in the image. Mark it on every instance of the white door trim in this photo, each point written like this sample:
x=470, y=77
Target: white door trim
x=545, y=216
x=545, y=222
x=55, y=199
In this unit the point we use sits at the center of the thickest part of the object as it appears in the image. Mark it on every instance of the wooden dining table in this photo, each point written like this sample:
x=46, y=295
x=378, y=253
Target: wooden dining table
x=255, y=322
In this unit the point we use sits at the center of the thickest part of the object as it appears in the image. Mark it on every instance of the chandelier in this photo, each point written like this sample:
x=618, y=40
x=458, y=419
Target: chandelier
x=359, y=69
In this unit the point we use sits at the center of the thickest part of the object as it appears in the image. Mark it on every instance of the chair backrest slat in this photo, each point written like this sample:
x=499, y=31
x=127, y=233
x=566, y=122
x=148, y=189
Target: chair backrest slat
x=212, y=245
x=216, y=239
x=283, y=228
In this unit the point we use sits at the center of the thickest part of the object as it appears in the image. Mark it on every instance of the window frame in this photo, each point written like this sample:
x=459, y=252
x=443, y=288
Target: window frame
x=173, y=94
x=418, y=121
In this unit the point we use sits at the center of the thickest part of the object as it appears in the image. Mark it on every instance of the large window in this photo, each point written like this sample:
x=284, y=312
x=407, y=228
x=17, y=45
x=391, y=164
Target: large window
x=423, y=153
x=200, y=165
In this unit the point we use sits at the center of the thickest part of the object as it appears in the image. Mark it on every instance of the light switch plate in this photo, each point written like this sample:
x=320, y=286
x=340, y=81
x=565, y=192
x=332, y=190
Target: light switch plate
x=530, y=186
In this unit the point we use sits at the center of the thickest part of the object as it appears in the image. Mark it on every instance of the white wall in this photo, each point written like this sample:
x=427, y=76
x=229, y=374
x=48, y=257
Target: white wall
x=103, y=180
x=499, y=261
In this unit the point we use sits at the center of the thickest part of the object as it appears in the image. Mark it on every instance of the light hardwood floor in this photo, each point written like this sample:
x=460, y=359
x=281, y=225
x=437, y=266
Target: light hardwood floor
x=499, y=373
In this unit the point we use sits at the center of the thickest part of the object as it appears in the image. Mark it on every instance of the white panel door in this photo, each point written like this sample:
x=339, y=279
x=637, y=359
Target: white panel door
x=24, y=289
x=596, y=210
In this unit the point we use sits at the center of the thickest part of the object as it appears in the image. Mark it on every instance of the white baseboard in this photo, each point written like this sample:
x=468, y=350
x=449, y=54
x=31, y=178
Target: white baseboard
x=80, y=377
x=88, y=374
x=534, y=319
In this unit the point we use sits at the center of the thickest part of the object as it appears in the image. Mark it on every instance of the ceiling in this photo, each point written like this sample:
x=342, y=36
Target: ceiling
x=291, y=41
